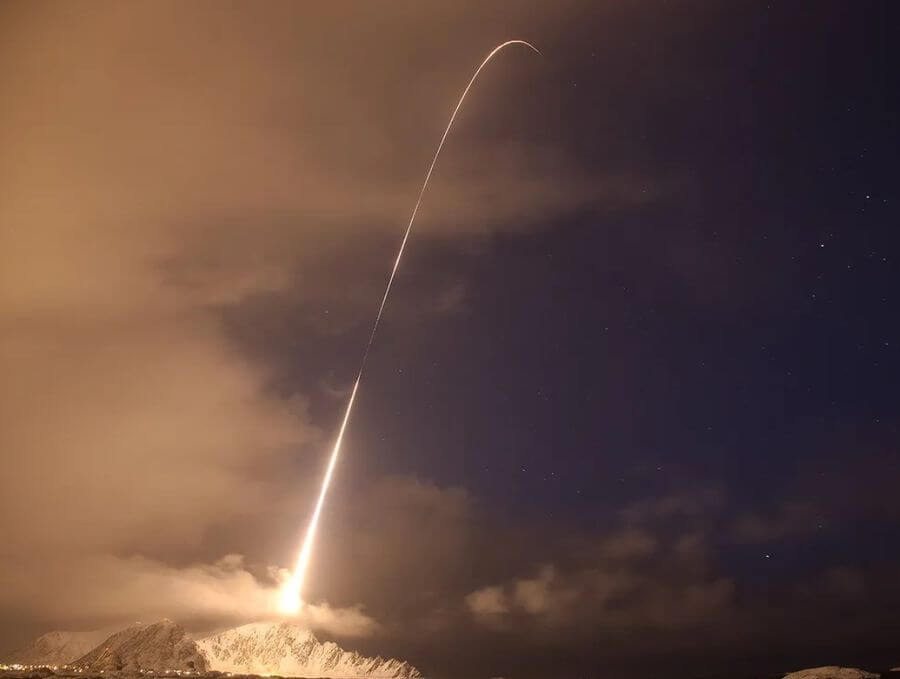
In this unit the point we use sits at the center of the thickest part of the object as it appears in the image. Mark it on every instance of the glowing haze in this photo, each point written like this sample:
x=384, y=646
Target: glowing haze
x=290, y=598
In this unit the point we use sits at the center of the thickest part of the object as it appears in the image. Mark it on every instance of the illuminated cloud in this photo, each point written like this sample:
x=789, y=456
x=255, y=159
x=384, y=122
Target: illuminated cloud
x=487, y=601
x=85, y=588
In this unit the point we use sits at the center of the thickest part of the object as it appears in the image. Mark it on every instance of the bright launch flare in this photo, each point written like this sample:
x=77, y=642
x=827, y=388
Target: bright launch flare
x=290, y=599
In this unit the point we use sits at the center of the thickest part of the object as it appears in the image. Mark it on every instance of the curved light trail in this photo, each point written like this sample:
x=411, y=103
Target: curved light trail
x=290, y=599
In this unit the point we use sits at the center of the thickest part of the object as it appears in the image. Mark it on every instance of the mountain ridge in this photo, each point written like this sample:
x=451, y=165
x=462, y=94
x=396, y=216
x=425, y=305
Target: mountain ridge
x=289, y=650
x=58, y=647
x=163, y=645
x=263, y=648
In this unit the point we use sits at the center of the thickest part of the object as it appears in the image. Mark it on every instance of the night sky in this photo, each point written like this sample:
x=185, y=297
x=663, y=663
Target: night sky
x=632, y=408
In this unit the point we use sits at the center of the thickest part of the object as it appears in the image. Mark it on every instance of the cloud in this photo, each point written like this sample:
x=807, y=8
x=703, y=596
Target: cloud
x=605, y=597
x=791, y=519
x=627, y=579
x=343, y=622
x=488, y=601
x=143, y=432
x=532, y=595
x=628, y=544
x=835, y=584
x=88, y=589
x=681, y=504
x=413, y=536
x=240, y=163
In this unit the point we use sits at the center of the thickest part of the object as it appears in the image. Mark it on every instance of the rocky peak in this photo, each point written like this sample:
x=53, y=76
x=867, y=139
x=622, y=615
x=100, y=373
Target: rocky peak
x=160, y=646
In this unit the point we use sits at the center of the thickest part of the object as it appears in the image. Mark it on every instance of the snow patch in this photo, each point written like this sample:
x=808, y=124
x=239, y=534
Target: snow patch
x=832, y=672
x=289, y=650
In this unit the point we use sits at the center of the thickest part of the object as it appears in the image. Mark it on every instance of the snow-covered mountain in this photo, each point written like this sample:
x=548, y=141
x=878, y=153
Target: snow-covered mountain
x=160, y=646
x=832, y=672
x=258, y=648
x=58, y=648
x=288, y=650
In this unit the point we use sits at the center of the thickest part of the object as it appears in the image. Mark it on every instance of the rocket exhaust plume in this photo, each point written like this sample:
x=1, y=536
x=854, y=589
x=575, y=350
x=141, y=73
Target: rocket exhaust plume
x=290, y=600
